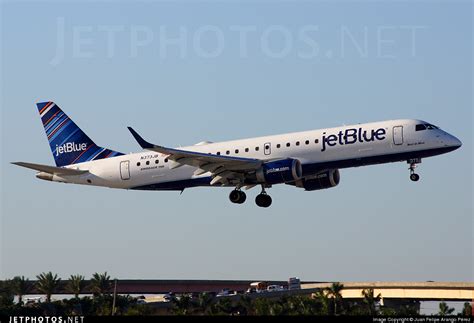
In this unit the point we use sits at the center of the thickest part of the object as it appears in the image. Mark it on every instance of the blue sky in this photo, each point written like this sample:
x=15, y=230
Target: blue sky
x=303, y=65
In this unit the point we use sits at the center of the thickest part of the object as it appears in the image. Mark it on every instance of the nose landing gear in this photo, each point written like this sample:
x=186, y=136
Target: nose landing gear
x=413, y=176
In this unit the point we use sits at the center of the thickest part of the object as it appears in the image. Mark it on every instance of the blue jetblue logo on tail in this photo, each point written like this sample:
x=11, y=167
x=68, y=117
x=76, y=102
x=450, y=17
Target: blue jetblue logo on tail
x=69, y=144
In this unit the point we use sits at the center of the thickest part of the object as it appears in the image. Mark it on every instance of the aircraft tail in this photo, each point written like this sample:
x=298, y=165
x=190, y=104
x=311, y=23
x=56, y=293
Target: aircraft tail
x=69, y=144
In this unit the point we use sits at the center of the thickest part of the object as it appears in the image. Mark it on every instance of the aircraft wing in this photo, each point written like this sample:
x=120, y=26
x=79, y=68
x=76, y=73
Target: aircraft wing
x=225, y=169
x=51, y=169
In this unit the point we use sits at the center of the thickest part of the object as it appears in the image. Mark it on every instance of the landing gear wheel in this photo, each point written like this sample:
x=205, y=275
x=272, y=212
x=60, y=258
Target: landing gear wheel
x=263, y=200
x=413, y=176
x=237, y=197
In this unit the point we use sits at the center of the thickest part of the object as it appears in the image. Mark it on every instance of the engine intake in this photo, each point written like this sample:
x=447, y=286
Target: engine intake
x=321, y=181
x=280, y=171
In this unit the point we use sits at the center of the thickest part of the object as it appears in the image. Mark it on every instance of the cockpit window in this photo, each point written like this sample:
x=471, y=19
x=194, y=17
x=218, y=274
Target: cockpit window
x=420, y=127
x=430, y=126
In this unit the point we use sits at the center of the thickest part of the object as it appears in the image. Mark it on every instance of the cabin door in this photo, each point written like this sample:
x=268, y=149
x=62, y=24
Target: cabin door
x=125, y=170
x=398, y=135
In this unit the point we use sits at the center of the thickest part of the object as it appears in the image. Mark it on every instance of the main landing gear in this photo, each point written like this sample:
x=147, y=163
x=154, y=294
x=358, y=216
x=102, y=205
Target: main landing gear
x=262, y=199
x=237, y=196
x=413, y=176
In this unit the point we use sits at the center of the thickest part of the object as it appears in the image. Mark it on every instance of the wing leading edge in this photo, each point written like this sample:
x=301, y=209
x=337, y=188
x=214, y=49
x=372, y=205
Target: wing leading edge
x=225, y=169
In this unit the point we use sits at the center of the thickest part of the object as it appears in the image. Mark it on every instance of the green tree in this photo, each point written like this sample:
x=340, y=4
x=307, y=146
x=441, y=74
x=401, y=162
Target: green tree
x=100, y=284
x=321, y=296
x=224, y=306
x=371, y=301
x=204, y=303
x=6, y=295
x=47, y=284
x=245, y=305
x=444, y=309
x=467, y=309
x=334, y=293
x=75, y=285
x=262, y=306
x=182, y=305
x=20, y=286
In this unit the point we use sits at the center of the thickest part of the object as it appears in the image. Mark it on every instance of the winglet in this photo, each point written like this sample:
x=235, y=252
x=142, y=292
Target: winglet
x=142, y=142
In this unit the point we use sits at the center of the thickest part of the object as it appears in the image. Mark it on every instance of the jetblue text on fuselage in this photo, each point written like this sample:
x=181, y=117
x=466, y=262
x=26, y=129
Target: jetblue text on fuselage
x=69, y=148
x=351, y=136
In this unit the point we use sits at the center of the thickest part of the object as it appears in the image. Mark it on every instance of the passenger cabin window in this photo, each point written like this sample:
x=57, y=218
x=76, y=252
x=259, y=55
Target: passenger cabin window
x=218, y=153
x=236, y=151
x=148, y=162
x=246, y=150
x=166, y=160
x=227, y=152
x=316, y=141
x=278, y=146
x=257, y=148
x=297, y=143
x=138, y=164
x=157, y=161
x=307, y=142
x=287, y=144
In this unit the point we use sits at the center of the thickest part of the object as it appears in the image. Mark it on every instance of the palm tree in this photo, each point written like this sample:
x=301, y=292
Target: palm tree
x=75, y=285
x=100, y=284
x=370, y=300
x=334, y=292
x=444, y=309
x=47, y=284
x=322, y=298
x=21, y=286
x=467, y=309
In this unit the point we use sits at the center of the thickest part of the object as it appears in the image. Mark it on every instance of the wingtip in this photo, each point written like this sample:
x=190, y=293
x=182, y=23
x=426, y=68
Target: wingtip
x=142, y=142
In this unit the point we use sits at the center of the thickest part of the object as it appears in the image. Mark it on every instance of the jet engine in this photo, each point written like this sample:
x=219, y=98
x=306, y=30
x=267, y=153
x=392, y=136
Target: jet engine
x=280, y=171
x=320, y=181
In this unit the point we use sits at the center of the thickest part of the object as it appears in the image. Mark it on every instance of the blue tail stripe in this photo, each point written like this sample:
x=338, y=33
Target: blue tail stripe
x=53, y=123
x=68, y=143
x=69, y=137
x=68, y=125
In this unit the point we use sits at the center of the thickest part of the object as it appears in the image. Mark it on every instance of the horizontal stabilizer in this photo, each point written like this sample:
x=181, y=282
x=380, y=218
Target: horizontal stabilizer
x=52, y=169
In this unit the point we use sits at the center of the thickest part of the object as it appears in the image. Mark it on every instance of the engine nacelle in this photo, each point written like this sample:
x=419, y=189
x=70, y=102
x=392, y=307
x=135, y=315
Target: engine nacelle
x=321, y=181
x=280, y=171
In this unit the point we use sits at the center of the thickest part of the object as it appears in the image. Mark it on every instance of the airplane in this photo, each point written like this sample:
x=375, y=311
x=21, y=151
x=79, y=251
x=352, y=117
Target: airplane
x=309, y=160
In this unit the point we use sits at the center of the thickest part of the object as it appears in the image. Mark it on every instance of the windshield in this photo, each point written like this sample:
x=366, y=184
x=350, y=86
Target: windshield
x=424, y=126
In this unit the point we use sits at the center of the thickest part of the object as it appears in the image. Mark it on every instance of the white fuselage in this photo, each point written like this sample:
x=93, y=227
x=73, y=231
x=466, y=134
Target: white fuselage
x=317, y=150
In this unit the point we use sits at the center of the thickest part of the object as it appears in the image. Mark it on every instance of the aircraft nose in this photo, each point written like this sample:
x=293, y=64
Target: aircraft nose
x=453, y=141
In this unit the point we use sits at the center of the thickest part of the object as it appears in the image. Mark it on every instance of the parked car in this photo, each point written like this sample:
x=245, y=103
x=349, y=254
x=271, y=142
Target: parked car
x=275, y=288
x=226, y=292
